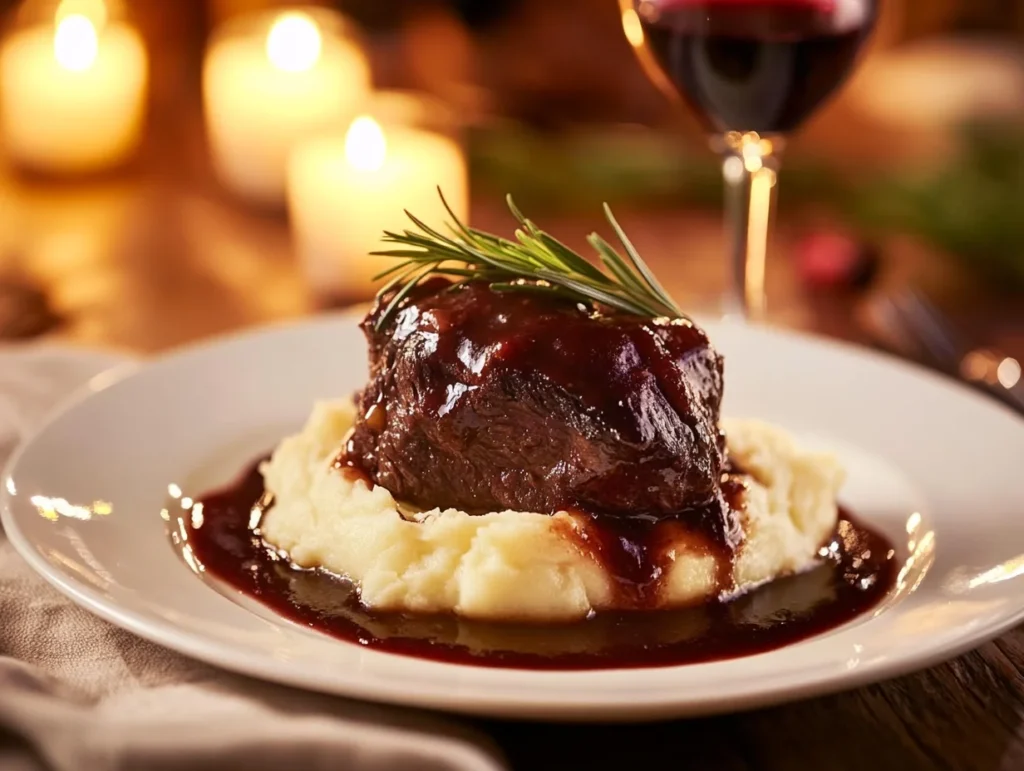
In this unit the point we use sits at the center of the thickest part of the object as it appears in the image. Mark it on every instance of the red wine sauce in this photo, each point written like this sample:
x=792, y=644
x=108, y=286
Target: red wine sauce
x=860, y=571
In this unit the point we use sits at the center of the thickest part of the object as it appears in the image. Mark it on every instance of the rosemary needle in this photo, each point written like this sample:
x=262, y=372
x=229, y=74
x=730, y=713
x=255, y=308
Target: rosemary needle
x=534, y=262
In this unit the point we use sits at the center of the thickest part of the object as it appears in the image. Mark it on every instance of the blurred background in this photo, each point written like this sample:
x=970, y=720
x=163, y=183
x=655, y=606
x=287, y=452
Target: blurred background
x=170, y=170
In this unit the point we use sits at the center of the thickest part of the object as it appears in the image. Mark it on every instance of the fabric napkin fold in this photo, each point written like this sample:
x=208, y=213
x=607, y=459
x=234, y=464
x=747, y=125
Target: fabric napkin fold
x=78, y=694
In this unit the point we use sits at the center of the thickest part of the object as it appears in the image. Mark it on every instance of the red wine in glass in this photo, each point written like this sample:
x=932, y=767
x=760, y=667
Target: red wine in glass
x=752, y=71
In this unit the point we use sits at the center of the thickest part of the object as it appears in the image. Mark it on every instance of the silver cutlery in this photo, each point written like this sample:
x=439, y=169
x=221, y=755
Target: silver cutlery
x=910, y=324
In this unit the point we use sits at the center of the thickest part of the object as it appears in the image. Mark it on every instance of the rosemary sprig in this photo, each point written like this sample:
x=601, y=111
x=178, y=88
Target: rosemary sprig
x=534, y=262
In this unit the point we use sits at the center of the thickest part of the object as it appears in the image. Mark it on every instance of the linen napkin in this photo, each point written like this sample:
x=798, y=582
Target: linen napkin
x=78, y=694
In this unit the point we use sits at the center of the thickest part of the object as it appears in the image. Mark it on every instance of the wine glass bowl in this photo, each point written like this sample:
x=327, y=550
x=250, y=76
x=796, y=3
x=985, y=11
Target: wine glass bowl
x=752, y=71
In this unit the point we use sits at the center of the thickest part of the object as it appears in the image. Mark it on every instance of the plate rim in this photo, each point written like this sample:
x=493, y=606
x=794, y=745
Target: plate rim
x=253, y=664
x=474, y=703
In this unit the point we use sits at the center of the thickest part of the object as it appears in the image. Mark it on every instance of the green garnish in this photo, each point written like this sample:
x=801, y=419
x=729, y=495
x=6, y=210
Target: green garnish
x=534, y=262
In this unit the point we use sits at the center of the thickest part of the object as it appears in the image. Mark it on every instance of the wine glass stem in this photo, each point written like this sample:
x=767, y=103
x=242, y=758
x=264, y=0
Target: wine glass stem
x=750, y=166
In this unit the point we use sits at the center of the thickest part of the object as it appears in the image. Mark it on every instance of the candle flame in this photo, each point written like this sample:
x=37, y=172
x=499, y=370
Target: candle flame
x=75, y=43
x=365, y=144
x=94, y=10
x=294, y=42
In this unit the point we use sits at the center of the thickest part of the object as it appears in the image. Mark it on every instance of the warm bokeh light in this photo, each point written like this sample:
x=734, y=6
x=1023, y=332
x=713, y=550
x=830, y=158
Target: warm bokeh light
x=649, y=11
x=979, y=365
x=631, y=26
x=733, y=169
x=294, y=42
x=365, y=144
x=1008, y=372
x=75, y=43
x=753, y=159
x=846, y=14
x=94, y=10
x=990, y=367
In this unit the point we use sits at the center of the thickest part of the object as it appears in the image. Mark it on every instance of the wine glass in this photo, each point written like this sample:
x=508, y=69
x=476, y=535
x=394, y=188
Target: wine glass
x=753, y=71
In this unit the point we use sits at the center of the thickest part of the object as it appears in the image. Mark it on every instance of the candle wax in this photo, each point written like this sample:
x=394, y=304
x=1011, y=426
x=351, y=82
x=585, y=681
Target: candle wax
x=57, y=119
x=256, y=111
x=339, y=211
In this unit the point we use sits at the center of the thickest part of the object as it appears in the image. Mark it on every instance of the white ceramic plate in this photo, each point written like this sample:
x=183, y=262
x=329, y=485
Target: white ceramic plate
x=934, y=466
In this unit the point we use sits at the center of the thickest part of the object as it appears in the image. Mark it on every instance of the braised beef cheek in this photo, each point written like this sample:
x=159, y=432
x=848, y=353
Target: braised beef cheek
x=483, y=400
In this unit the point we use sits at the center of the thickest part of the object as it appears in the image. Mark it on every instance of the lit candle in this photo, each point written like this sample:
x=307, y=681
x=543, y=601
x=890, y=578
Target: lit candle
x=266, y=86
x=344, y=191
x=72, y=93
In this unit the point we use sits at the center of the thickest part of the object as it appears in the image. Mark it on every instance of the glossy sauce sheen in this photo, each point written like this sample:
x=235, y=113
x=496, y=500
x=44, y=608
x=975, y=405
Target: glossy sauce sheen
x=473, y=404
x=634, y=550
x=860, y=570
x=460, y=372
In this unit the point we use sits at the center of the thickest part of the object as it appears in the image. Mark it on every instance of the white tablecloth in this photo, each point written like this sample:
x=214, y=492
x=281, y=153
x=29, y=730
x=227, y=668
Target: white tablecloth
x=78, y=694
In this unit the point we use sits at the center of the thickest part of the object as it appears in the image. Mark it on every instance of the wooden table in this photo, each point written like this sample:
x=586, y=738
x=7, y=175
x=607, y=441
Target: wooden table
x=146, y=263
x=136, y=267
x=967, y=715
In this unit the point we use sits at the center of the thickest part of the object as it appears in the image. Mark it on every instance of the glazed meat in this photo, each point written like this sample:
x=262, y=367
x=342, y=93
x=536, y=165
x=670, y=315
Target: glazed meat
x=484, y=401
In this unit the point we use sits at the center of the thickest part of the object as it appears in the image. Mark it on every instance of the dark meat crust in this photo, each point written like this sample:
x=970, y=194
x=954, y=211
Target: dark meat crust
x=485, y=401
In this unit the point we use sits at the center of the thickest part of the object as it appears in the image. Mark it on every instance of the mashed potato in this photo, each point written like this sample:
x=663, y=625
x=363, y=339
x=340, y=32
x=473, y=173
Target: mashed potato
x=522, y=565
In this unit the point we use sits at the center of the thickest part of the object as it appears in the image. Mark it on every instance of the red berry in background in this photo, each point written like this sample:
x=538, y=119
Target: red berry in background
x=833, y=260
